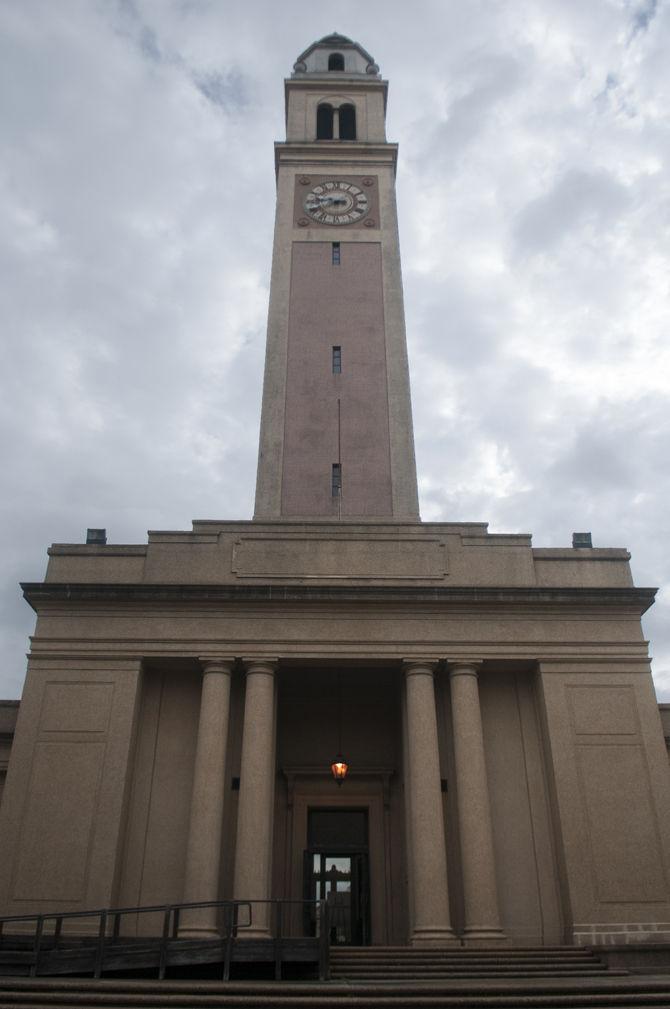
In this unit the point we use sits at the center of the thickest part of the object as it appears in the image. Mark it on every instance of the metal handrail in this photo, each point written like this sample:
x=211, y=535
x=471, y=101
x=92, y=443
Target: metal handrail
x=171, y=917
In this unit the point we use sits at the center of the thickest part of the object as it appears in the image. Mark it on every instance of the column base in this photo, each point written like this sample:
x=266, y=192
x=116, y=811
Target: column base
x=484, y=937
x=435, y=938
x=253, y=933
x=197, y=932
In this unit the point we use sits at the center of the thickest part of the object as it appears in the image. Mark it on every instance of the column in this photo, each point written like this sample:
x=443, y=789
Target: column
x=480, y=897
x=203, y=853
x=253, y=848
x=427, y=854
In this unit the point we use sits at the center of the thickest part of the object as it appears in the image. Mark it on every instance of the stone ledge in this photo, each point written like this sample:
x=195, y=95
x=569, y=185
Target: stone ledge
x=638, y=599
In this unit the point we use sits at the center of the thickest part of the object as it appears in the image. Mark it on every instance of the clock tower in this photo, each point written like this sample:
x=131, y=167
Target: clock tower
x=336, y=436
x=493, y=702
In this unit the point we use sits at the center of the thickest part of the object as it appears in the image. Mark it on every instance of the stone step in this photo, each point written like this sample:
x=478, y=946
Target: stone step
x=426, y=972
x=379, y=964
x=376, y=952
x=494, y=948
x=461, y=961
x=386, y=961
x=462, y=955
x=624, y=993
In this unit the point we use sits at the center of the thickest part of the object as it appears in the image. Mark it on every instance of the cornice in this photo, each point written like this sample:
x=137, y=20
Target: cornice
x=315, y=154
x=333, y=85
x=343, y=81
x=44, y=594
x=342, y=148
x=326, y=152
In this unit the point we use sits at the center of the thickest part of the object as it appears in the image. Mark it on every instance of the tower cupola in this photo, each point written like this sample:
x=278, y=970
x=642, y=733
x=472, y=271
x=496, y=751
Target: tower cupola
x=335, y=54
x=335, y=93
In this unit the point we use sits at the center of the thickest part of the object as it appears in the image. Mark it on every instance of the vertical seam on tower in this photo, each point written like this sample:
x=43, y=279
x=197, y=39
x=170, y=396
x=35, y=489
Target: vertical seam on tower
x=339, y=456
x=288, y=335
x=392, y=489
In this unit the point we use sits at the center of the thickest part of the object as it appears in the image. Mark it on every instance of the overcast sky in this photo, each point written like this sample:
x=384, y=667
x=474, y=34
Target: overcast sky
x=136, y=216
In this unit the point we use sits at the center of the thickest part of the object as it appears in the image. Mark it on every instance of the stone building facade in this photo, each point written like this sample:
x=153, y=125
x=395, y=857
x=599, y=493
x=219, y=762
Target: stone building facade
x=508, y=778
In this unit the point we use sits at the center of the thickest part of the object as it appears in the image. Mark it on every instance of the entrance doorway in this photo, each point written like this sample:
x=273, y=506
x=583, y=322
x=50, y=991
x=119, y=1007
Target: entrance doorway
x=336, y=869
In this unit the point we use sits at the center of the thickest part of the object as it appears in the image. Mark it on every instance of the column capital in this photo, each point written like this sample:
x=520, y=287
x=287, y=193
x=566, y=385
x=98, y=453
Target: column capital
x=217, y=663
x=259, y=665
x=464, y=667
x=419, y=667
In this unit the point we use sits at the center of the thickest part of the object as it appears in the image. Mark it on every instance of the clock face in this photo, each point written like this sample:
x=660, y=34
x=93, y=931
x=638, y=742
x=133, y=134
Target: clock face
x=336, y=203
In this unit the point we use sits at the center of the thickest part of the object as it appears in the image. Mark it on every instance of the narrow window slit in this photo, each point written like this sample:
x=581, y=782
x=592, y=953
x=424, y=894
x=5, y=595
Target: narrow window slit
x=336, y=253
x=336, y=482
x=337, y=360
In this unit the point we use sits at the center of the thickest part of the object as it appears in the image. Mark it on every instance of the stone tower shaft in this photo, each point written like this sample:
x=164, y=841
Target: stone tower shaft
x=336, y=428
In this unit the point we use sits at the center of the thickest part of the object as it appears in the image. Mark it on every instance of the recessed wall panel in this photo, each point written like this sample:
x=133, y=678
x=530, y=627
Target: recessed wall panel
x=58, y=821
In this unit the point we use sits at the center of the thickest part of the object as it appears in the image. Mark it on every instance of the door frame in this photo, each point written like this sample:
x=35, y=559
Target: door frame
x=370, y=791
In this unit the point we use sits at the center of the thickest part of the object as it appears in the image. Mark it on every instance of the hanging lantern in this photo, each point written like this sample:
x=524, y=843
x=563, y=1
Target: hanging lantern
x=339, y=767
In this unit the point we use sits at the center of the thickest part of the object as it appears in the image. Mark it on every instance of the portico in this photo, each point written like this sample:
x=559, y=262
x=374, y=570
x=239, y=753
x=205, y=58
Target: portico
x=305, y=766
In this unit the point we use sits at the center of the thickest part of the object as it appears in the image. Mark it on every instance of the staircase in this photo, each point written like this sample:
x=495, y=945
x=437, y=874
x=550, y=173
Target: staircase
x=562, y=977
x=503, y=992
x=374, y=964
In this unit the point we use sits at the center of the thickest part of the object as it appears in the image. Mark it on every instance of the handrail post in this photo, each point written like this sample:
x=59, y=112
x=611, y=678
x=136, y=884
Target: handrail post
x=162, y=962
x=278, y=940
x=100, y=951
x=324, y=944
x=117, y=925
x=175, y=922
x=229, y=912
x=36, y=946
x=58, y=929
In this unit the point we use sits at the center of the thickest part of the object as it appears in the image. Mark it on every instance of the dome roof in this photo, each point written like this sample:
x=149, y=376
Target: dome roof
x=335, y=40
x=358, y=61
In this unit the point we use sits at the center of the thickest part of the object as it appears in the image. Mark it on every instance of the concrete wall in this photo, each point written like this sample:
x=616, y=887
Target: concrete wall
x=62, y=815
x=9, y=711
x=611, y=799
x=527, y=871
x=325, y=552
x=664, y=712
x=351, y=161
x=336, y=418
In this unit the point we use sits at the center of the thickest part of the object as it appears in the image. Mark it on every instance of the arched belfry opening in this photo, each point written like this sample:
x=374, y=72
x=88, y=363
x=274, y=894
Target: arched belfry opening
x=325, y=115
x=336, y=61
x=347, y=122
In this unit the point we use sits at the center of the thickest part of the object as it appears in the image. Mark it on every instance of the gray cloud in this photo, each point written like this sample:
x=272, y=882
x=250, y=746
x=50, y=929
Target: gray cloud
x=579, y=199
x=229, y=90
x=643, y=14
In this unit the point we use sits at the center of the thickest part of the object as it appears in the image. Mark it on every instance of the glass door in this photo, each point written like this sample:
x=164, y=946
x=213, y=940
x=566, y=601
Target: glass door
x=338, y=874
